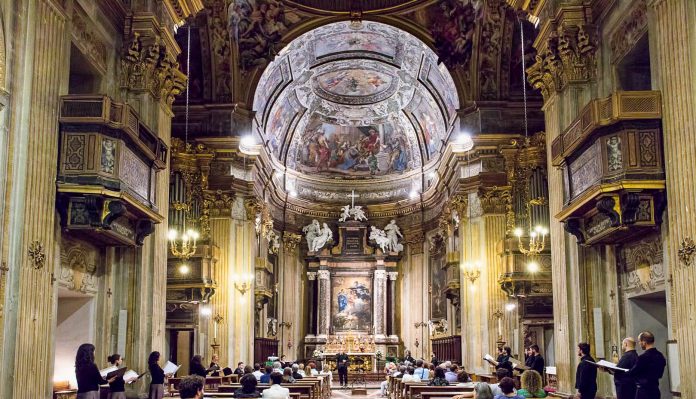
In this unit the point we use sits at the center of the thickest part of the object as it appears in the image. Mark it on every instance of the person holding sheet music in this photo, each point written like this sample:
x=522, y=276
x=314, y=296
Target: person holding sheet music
x=625, y=384
x=215, y=366
x=649, y=368
x=117, y=388
x=537, y=363
x=157, y=374
x=586, y=373
x=503, y=360
x=87, y=373
x=196, y=367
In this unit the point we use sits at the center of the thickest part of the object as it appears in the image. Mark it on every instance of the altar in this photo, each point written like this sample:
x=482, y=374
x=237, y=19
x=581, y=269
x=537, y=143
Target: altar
x=352, y=289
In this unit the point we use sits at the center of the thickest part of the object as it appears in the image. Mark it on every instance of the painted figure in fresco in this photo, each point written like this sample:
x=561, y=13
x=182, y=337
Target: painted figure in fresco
x=342, y=301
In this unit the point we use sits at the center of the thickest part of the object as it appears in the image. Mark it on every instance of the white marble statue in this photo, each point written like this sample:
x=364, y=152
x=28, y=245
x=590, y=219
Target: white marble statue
x=380, y=238
x=355, y=212
x=393, y=233
x=317, y=236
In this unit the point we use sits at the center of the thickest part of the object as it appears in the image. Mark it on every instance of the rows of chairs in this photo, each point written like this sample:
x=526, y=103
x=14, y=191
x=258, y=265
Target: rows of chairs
x=224, y=387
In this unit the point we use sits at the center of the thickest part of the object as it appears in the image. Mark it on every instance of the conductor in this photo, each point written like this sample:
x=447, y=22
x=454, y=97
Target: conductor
x=342, y=365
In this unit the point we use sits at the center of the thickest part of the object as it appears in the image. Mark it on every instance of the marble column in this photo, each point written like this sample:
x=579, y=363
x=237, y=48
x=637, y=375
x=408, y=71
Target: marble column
x=391, y=289
x=311, y=279
x=671, y=28
x=30, y=249
x=324, y=302
x=380, y=302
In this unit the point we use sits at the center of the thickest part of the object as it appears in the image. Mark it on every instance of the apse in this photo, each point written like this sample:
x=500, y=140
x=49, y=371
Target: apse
x=355, y=101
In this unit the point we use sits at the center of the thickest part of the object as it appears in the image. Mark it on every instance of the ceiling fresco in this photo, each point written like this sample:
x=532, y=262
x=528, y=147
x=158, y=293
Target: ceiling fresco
x=354, y=102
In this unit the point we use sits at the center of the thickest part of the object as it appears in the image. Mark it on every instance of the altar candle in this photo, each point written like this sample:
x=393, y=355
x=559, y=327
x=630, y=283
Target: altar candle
x=500, y=326
x=215, y=330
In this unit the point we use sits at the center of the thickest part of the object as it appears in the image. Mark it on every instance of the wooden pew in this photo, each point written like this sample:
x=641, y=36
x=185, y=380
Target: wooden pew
x=447, y=395
x=417, y=390
x=231, y=395
x=407, y=388
x=306, y=391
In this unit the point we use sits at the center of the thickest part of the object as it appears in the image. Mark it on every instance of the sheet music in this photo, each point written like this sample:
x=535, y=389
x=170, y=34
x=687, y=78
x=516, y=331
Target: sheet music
x=489, y=358
x=170, y=368
x=107, y=370
x=130, y=376
x=606, y=364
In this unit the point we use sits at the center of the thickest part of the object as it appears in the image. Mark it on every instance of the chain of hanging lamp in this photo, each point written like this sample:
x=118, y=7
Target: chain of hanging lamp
x=184, y=245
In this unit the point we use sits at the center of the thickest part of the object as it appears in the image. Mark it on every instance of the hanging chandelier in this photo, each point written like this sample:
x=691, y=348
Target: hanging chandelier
x=183, y=245
x=537, y=234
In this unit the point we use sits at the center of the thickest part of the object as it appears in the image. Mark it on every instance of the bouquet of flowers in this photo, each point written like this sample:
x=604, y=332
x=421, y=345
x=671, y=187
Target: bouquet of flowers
x=317, y=353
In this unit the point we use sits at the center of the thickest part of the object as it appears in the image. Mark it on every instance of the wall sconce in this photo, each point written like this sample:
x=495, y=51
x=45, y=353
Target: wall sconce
x=243, y=282
x=472, y=271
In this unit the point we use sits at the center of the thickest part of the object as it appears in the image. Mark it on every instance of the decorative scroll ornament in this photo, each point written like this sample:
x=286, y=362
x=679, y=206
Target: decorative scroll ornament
x=687, y=250
x=37, y=254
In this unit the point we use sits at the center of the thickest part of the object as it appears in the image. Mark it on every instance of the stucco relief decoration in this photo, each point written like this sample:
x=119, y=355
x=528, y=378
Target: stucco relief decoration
x=642, y=264
x=629, y=31
x=108, y=156
x=687, y=250
x=490, y=46
x=87, y=40
x=36, y=254
x=220, y=49
x=256, y=26
x=614, y=154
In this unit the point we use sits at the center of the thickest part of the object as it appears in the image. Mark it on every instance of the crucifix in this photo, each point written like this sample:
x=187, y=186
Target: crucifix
x=353, y=196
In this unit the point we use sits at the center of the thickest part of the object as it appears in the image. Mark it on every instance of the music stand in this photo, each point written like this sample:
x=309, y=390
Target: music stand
x=359, y=377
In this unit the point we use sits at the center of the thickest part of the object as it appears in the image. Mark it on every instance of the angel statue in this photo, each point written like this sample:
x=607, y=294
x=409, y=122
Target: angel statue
x=345, y=214
x=358, y=213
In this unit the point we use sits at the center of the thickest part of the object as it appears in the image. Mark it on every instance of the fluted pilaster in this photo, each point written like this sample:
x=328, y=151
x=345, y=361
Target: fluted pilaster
x=672, y=29
x=221, y=233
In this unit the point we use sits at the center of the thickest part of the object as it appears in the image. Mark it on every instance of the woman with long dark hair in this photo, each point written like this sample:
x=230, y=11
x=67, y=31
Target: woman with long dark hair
x=196, y=367
x=88, y=376
x=117, y=388
x=157, y=374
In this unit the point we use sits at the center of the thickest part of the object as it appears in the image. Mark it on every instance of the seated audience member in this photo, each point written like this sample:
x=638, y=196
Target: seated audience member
x=500, y=374
x=248, y=369
x=296, y=372
x=275, y=391
x=421, y=371
x=398, y=372
x=196, y=367
x=388, y=370
x=287, y=376
x=463, y=378
x=432, y=368
x=451, y=375
x=240, y=368
x=507, y=386
x=248, y=389
x=439, y=379
x=301, y=370
x=531, y=385
x=191, y=387
x=482, y=391
x=410, y=376
x=257, y=372
x=313, y=369
x=278, y=367
x=266, y=377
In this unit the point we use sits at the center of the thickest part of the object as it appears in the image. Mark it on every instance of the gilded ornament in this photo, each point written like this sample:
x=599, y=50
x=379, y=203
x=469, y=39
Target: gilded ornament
x=37, y=254
x=686, y=252
x=291, y=240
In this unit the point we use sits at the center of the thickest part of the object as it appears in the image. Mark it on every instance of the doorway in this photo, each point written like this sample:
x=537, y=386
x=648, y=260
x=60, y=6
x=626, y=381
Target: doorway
x=74, y=327
x=649, y=312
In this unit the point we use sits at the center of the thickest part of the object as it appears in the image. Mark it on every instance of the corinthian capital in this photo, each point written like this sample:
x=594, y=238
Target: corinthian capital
x=290, y=241
x=566, y=53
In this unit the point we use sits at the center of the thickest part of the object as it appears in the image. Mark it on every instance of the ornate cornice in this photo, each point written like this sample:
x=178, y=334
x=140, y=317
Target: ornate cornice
x=566, y=52
x=630, y=30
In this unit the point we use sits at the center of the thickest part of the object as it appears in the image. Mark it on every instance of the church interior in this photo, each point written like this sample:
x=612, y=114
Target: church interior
x=384, y=181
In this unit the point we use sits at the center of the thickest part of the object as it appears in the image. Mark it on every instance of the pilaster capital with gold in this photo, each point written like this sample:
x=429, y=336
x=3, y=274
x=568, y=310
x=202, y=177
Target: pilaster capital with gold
x=291, y=241
x=252, y=207
x=460, y=203
x=415, y=240
x=566, y=51
x=498, y=200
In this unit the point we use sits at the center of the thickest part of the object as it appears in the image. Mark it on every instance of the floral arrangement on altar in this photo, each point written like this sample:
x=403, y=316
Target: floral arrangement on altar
x=318, y=353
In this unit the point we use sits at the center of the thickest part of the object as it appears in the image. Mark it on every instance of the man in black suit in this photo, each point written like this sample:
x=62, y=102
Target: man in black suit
x=648, y=369
x=625, y=384
x=586, y=374
x=537, y=363
x=342, y=365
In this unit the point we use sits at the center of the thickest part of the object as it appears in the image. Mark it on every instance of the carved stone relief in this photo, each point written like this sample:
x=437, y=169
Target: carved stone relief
x=641, y=265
